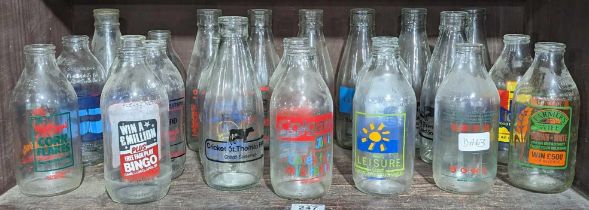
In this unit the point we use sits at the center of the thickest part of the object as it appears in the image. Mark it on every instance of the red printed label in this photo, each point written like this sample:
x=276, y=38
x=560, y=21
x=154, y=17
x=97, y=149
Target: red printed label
x=138, y=147
x=194, y=114
x=301, y=127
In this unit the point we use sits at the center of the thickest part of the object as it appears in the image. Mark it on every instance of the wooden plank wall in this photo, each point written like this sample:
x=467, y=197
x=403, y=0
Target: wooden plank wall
x=21, y=23
x=566, y=22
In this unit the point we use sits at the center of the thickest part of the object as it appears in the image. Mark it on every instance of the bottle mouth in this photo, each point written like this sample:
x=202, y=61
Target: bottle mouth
x=39, y=49
x=362, y=11
x=74, y=39
x=516, y=38
x=475, y=11
x=468, y=47
x=453, y=18
x=311, y=17
x=106, y=16
x=362, y=17
x=233, y=20
x=159, y=34
x=549, y=47
x=260, y=17
x=207, y=17
x=132, y=41
x=295, y=41
x=413, y=11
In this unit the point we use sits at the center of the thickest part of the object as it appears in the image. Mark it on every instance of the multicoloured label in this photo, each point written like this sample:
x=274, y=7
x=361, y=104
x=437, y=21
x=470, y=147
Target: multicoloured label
x=346, y=99
x=506, y=96
x=379, y=149
x=136, y=136
x=543, y=130
x=176, y=127
x=51, y=140
x=305, y=144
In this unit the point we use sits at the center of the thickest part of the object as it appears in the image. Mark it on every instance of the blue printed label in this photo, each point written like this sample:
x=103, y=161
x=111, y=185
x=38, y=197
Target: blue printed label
x=90, y=119
x=380, y=144
x=346, y=98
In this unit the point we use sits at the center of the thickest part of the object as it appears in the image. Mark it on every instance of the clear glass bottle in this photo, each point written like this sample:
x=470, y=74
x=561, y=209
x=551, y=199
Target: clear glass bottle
x=202, y=90
x=280, y=71
x=301, y=115
x=355, y=54
x=44, y=104
x=466, y=123
x=384, y=124
x=476, y=31
x=87, y=77
x=137, y=165
x=166, y=35
x=415, y=50
x=510, y=67
x=311, y=26
x=203, y=52
x=545, y=112
x=233, y=115
x=126, y=41
x=107, y=36
x=265, y=58
x=451, y=33
x=163, y=68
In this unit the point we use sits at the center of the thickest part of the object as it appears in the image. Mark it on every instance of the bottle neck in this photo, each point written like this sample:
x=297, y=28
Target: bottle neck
x=39, y=62
x=313, y=30
x=470, y=62
x=260, y=32
x=156, y=53
x=76, y=47
x=384, y=59
x=552, y=61
x=105, y=28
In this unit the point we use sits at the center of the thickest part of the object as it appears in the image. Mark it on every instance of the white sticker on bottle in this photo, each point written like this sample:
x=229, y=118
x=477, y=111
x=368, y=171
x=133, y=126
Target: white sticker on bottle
x=472, y=142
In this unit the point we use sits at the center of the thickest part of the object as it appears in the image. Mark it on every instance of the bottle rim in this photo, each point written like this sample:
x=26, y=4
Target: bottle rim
x=106, y=11
x=384, y=42
x=478, y=11
x=208, y=12
x=74, y=39
x=39, y=49
x=126, y=40
x=233, y=20
x=260, y=17
x=311, y=16
x=549, y=47
x=290, y=41
x=362, y=11
x=413, y=11
x=516, y=38
x=207, y=17
x=453, y=14
x=159, y=34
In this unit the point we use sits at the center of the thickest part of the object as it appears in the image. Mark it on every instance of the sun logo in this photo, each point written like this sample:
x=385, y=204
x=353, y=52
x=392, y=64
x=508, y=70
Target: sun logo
x=375, y=136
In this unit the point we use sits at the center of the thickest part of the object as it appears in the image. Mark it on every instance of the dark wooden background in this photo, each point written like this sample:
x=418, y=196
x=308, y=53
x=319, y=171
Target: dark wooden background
x=36, y=21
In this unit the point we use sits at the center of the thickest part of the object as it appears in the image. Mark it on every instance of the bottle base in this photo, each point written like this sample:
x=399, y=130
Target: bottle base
x=299, y=190
x=92, y=162
x=232, y=181
x=192, y=145
x=139, y=192
x=381, y=187
x=44, y=188
x=539, y=183
x=464, y=188
x=178, y=166
x=344, y=145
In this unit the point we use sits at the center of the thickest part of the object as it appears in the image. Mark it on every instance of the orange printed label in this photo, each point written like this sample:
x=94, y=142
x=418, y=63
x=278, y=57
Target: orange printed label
x=194, y=114
x=547, y=158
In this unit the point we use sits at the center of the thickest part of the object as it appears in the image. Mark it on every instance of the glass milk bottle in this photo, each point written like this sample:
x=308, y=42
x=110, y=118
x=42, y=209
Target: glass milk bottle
x=384, y=125
x=451, y=32
x=545, y=120
x=413, y=45
x=232, y=148
x=44, y=104
x=87, y=76
x=134, y=103
x=355, y=54
x=510, y=67
x=107, y=36
x=164, y=69
x=466, y=122
x=265, y=58
x=301, y=143
x=311, y=26
x=205, y=48
x=166, y=36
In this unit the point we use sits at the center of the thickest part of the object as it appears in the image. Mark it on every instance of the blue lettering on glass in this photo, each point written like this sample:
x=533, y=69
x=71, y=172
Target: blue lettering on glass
x=346, y=97
x=90, y=119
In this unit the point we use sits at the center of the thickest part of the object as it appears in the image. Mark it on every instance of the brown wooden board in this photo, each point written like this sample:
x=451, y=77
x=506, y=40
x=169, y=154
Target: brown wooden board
x=21, y=23
x=190, y=192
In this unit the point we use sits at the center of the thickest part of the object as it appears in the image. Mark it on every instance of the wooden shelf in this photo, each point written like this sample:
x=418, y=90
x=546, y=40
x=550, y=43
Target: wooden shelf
x=190, y=192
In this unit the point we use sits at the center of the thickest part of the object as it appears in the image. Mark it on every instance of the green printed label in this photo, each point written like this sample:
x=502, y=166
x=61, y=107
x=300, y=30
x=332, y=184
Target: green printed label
x=51, y=138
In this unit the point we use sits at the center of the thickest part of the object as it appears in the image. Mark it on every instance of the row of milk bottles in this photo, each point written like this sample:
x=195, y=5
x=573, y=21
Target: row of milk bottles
x=236, y=103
